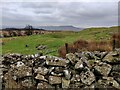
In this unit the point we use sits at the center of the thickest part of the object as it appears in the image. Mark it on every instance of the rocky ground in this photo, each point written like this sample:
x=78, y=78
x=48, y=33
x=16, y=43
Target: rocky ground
x=79, y=70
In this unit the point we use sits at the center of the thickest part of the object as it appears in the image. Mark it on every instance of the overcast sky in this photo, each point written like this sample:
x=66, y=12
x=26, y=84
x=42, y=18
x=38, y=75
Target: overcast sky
x=80, y=14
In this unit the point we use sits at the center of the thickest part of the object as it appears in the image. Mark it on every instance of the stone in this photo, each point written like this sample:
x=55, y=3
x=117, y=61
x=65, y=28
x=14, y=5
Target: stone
x=22, y=71
x=103, y=69
x=67, y=74
x=41, y=70
x=80, y=70
x=40, y=77
x=28, y=62
x=10, y=83
x=11, y=58
x=108, y=57
x=112, y=57
x=92, y=63
x=28, y=82
x=79, y=65
x=103, y=54
x=58, y=71
x=56, y=62
x=116, y=76
x=77, y=85
x=44, y=85
x=116, y=68
x=55, y=80
x=19, y=64
x=87, y=77
x=39, y=62
x=71, y=57
x=75, y=78
x=89, y=55
x=56, y=74
x=108, y=82
x=41, y=47
x=100, y=55
x=51, y=69
x=65, y=83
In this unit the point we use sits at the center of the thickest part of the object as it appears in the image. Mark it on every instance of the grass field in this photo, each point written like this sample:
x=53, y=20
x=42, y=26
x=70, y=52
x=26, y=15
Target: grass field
x=54, y=40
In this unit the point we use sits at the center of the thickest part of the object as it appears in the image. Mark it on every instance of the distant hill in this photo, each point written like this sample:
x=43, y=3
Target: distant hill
x=58, y=28
x=63, y=28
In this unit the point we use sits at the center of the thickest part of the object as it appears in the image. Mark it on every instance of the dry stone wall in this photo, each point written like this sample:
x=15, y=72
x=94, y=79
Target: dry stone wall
x=79, y=70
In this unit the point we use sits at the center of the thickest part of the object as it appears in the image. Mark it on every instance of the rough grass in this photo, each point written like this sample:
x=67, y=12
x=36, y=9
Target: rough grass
x=53, y=41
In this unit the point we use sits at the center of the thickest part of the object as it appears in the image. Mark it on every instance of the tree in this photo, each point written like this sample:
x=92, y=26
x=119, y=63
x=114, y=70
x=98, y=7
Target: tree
x=28, y=29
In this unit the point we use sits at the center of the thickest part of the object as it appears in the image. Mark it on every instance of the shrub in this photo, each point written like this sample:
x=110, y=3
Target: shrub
x=81, y=45
x=116, y=38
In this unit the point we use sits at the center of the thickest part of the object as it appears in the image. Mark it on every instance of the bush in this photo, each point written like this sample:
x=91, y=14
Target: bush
x=116, y=39
x=81, y=45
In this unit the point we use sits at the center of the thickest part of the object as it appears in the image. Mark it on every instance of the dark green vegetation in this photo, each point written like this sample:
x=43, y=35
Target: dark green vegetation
x=54, y=40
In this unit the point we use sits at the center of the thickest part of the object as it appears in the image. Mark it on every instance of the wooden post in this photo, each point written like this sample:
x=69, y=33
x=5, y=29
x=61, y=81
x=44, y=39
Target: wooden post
x=66, y=47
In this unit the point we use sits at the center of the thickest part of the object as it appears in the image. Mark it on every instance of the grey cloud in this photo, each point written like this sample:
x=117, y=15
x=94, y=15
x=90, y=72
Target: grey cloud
x=53, y=13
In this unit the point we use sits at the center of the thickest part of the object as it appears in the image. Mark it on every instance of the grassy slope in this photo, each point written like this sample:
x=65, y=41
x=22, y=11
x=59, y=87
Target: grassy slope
x=54, y=41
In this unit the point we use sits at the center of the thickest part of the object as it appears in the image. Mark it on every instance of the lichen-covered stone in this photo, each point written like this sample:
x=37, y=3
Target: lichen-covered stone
x=108, y=82
x=41, y=70
x=103, y=69
x=55, y=62
x=71, y=57
x=81, y=70
x=55, y=80
x=40, y=77
x=22, y=71
x=65, y=83
x=44, y=85
x=75, y=78
x=87, y=77
x=67, y=74
x=79, y=65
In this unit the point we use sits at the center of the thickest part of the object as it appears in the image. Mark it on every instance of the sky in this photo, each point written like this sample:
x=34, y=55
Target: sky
x=79, y=13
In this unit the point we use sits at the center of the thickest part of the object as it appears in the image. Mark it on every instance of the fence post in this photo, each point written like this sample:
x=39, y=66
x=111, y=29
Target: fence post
x=66, y=47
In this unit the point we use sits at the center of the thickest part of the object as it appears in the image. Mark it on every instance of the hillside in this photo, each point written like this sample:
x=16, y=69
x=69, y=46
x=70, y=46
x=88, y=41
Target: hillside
x=62, y=28
x=53, y=40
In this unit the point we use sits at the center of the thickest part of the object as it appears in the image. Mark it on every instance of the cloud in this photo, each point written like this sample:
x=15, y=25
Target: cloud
x=82, y=14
